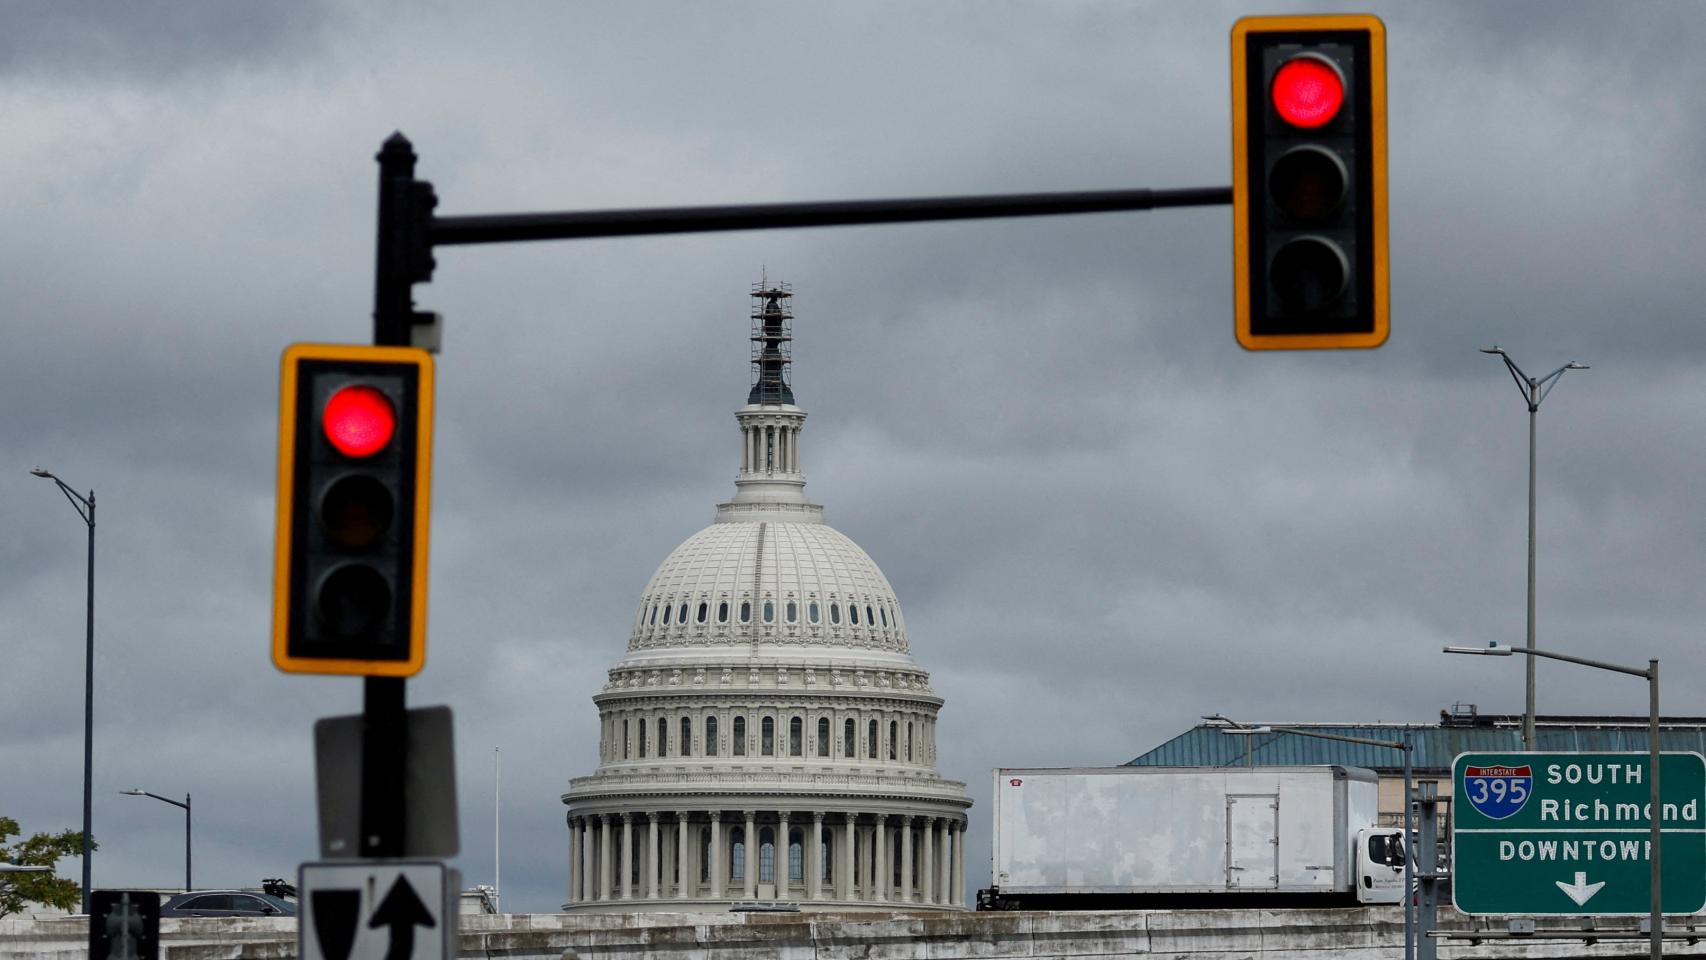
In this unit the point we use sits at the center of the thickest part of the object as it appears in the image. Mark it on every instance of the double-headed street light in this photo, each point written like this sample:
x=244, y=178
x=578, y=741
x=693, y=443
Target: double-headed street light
x=139, y=792
x=1656, y=920
x=1533, y=391
x=85, y=507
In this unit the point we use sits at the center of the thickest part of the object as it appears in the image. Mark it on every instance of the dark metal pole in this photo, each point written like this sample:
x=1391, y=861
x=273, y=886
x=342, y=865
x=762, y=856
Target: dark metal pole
x=1427, y=827
x=1657, y=919
x=187, y=886
x=575, y=225
x=89, y=714
x=1529, y=706
x=384, y=728
x=1409, y=898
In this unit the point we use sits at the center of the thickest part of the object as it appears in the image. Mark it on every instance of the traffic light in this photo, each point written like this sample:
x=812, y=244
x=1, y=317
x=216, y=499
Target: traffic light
x=354, y=465
x=1309, y=182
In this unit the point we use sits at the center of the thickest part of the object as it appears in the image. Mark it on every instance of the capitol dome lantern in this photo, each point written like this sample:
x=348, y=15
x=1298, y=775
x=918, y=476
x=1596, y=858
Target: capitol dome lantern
x=768, y=738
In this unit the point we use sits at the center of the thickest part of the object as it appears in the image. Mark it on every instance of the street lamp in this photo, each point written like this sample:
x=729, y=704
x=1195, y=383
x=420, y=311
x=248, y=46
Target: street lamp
x=139, y=792
x=1228, y=726
x=1533, y=391
x=1656, y=920
x=85, y=507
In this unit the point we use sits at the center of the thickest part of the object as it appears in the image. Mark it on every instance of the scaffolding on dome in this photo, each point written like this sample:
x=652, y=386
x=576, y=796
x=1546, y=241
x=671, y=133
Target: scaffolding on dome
x=772, y=338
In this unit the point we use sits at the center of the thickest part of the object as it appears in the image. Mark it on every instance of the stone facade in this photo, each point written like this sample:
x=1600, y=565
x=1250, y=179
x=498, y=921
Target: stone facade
x=767, y=737
x=1374, y=933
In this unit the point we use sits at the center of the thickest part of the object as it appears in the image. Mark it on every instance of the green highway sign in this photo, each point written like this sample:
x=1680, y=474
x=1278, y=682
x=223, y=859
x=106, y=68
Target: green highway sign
x=1568, y=833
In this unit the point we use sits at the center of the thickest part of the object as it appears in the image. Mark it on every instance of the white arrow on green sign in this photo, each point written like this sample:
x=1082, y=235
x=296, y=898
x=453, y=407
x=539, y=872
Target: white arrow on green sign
x=1568, y=833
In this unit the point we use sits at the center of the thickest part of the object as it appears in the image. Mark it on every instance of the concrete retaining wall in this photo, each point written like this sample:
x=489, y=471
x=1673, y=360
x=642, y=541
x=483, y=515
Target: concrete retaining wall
x=1358, y=934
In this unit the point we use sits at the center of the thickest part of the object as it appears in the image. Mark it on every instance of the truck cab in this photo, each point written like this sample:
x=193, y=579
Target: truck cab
x=1380, y=865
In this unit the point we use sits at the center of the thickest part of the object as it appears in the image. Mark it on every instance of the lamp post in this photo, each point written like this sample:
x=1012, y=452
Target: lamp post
x=1234, y=727
x=1656, y=919
x=1533, y=391
x=85, y=507
x=139, y=792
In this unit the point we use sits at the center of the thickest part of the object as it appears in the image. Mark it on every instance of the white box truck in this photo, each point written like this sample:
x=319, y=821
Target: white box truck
x=1106, y=838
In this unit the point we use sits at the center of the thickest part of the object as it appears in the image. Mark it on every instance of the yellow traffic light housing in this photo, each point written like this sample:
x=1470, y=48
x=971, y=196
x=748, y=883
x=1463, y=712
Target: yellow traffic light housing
x=354, y=481
x=1309, y=208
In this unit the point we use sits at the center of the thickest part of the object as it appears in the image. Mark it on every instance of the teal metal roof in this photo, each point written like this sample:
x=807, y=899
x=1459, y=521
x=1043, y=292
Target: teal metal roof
x=1435, y=746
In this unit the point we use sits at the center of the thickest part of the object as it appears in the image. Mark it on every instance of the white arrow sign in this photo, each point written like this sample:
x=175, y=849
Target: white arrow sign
x=376, y=910
x=1581, y=891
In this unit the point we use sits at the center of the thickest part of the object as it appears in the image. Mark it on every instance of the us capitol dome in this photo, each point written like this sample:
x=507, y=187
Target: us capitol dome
x=768, y=739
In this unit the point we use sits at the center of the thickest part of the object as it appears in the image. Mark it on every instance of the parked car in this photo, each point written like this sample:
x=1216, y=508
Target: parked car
x=227, y=903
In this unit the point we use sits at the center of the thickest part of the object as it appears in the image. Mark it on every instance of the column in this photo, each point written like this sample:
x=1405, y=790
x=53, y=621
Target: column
x=752, y=845
x=666, y=856
x=880, y=862
x=906, y=860
x=949, y=842
x=717, y=868
x=927, y=862
x=844, y=889
x=627, y=866
x=605, y=855
x=960, y=865
x=794, y=447
x=781, y=865
x=868, y=862
x=814, y=885
x=682, y=833
x=574, y=858
x=588, y=890
x=942, y=865
x=654, y=860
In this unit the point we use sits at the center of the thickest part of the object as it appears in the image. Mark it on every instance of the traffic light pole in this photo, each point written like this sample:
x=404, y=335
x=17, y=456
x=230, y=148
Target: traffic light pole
x=384, y=738
x=408, y=232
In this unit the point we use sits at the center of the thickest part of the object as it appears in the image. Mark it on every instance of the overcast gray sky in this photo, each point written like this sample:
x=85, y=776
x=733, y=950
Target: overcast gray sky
x=1103, y=518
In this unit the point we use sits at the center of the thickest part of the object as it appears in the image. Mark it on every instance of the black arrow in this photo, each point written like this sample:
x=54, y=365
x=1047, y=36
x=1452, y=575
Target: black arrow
x=401, y=910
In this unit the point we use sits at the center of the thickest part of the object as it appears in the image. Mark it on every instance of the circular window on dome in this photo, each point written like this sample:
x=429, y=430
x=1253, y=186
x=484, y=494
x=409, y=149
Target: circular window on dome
x=868, y=618
x=745, y=612
x=834, y=613
x=666, y=614
x=704, y=611
x=853, y=614
x=811, y=611
x=654, y=614
x=681, y=615
x=723, y=612
x=769, y=611
x=884, y=611
x=793, y=612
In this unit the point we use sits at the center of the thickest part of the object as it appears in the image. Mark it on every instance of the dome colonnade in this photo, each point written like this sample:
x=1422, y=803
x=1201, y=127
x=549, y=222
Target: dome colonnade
x=837, y=859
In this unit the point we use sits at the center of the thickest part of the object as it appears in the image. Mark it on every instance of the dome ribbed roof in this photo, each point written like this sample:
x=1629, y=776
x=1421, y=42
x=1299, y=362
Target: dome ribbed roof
x=796, y=584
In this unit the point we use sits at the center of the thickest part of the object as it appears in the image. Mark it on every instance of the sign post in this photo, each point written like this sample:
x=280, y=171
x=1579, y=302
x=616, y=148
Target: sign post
x=1548, y=834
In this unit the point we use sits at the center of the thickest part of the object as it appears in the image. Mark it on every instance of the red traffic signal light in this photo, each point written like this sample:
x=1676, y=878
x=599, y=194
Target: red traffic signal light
x=1307, y=91
x=358, y=421
x=1309, y=207
x=355, y=444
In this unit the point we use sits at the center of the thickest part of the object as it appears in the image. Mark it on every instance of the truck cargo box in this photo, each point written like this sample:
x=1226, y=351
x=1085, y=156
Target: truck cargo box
x=1192, y=830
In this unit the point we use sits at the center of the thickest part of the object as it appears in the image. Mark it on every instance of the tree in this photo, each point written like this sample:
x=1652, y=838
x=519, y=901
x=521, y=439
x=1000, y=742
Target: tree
x=42, y=849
